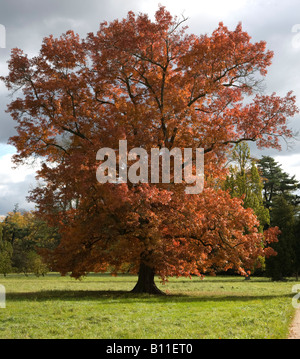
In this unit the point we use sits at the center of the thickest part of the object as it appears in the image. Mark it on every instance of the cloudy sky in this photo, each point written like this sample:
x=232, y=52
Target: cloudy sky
x=27, y=22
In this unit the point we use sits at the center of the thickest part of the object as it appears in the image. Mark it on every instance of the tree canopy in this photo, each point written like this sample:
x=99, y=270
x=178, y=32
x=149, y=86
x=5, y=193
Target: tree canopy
x=277, y=182
x=155, y=85
x=244, y=181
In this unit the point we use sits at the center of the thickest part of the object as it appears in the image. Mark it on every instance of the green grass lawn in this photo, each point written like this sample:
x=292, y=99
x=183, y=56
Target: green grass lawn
x=99, y=307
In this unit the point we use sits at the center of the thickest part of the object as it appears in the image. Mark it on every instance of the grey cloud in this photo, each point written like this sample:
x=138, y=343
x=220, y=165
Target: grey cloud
x=16, y=195
x=7, y=126
x=27, y=22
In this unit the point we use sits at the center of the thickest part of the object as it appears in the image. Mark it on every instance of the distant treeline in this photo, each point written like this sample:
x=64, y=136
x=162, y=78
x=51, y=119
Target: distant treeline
x=22, y=236
x=274, y=197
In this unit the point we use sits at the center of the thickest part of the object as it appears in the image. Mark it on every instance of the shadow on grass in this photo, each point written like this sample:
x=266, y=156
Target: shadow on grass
x=126, y=297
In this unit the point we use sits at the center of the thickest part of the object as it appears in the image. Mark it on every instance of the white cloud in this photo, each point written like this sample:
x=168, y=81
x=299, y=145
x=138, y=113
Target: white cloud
x=290, y=164
x=15, y=184
x=212, y=8
x=9, y=175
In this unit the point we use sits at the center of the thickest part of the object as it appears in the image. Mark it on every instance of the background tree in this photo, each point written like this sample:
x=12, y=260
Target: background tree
x=297, y=248
x=14, y=227
x=284, y=264
x=14, y=231
x=35, y=264
x=6, y=252
x=244, y=181
x=277, y=182
x=23, y=235
x=151, y=83
x=280, y=196
x=1, y=231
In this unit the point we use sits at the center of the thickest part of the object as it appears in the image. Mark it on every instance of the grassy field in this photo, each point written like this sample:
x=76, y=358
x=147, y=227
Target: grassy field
x=99, y=307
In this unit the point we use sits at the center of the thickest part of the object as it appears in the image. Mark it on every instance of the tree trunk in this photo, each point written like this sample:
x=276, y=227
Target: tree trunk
x=146, y=283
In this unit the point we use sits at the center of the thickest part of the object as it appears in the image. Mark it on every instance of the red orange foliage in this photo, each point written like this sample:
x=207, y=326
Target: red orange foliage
x=155, y=85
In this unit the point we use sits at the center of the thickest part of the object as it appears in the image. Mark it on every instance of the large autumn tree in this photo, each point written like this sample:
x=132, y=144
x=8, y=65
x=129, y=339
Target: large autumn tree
x=157, y=86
